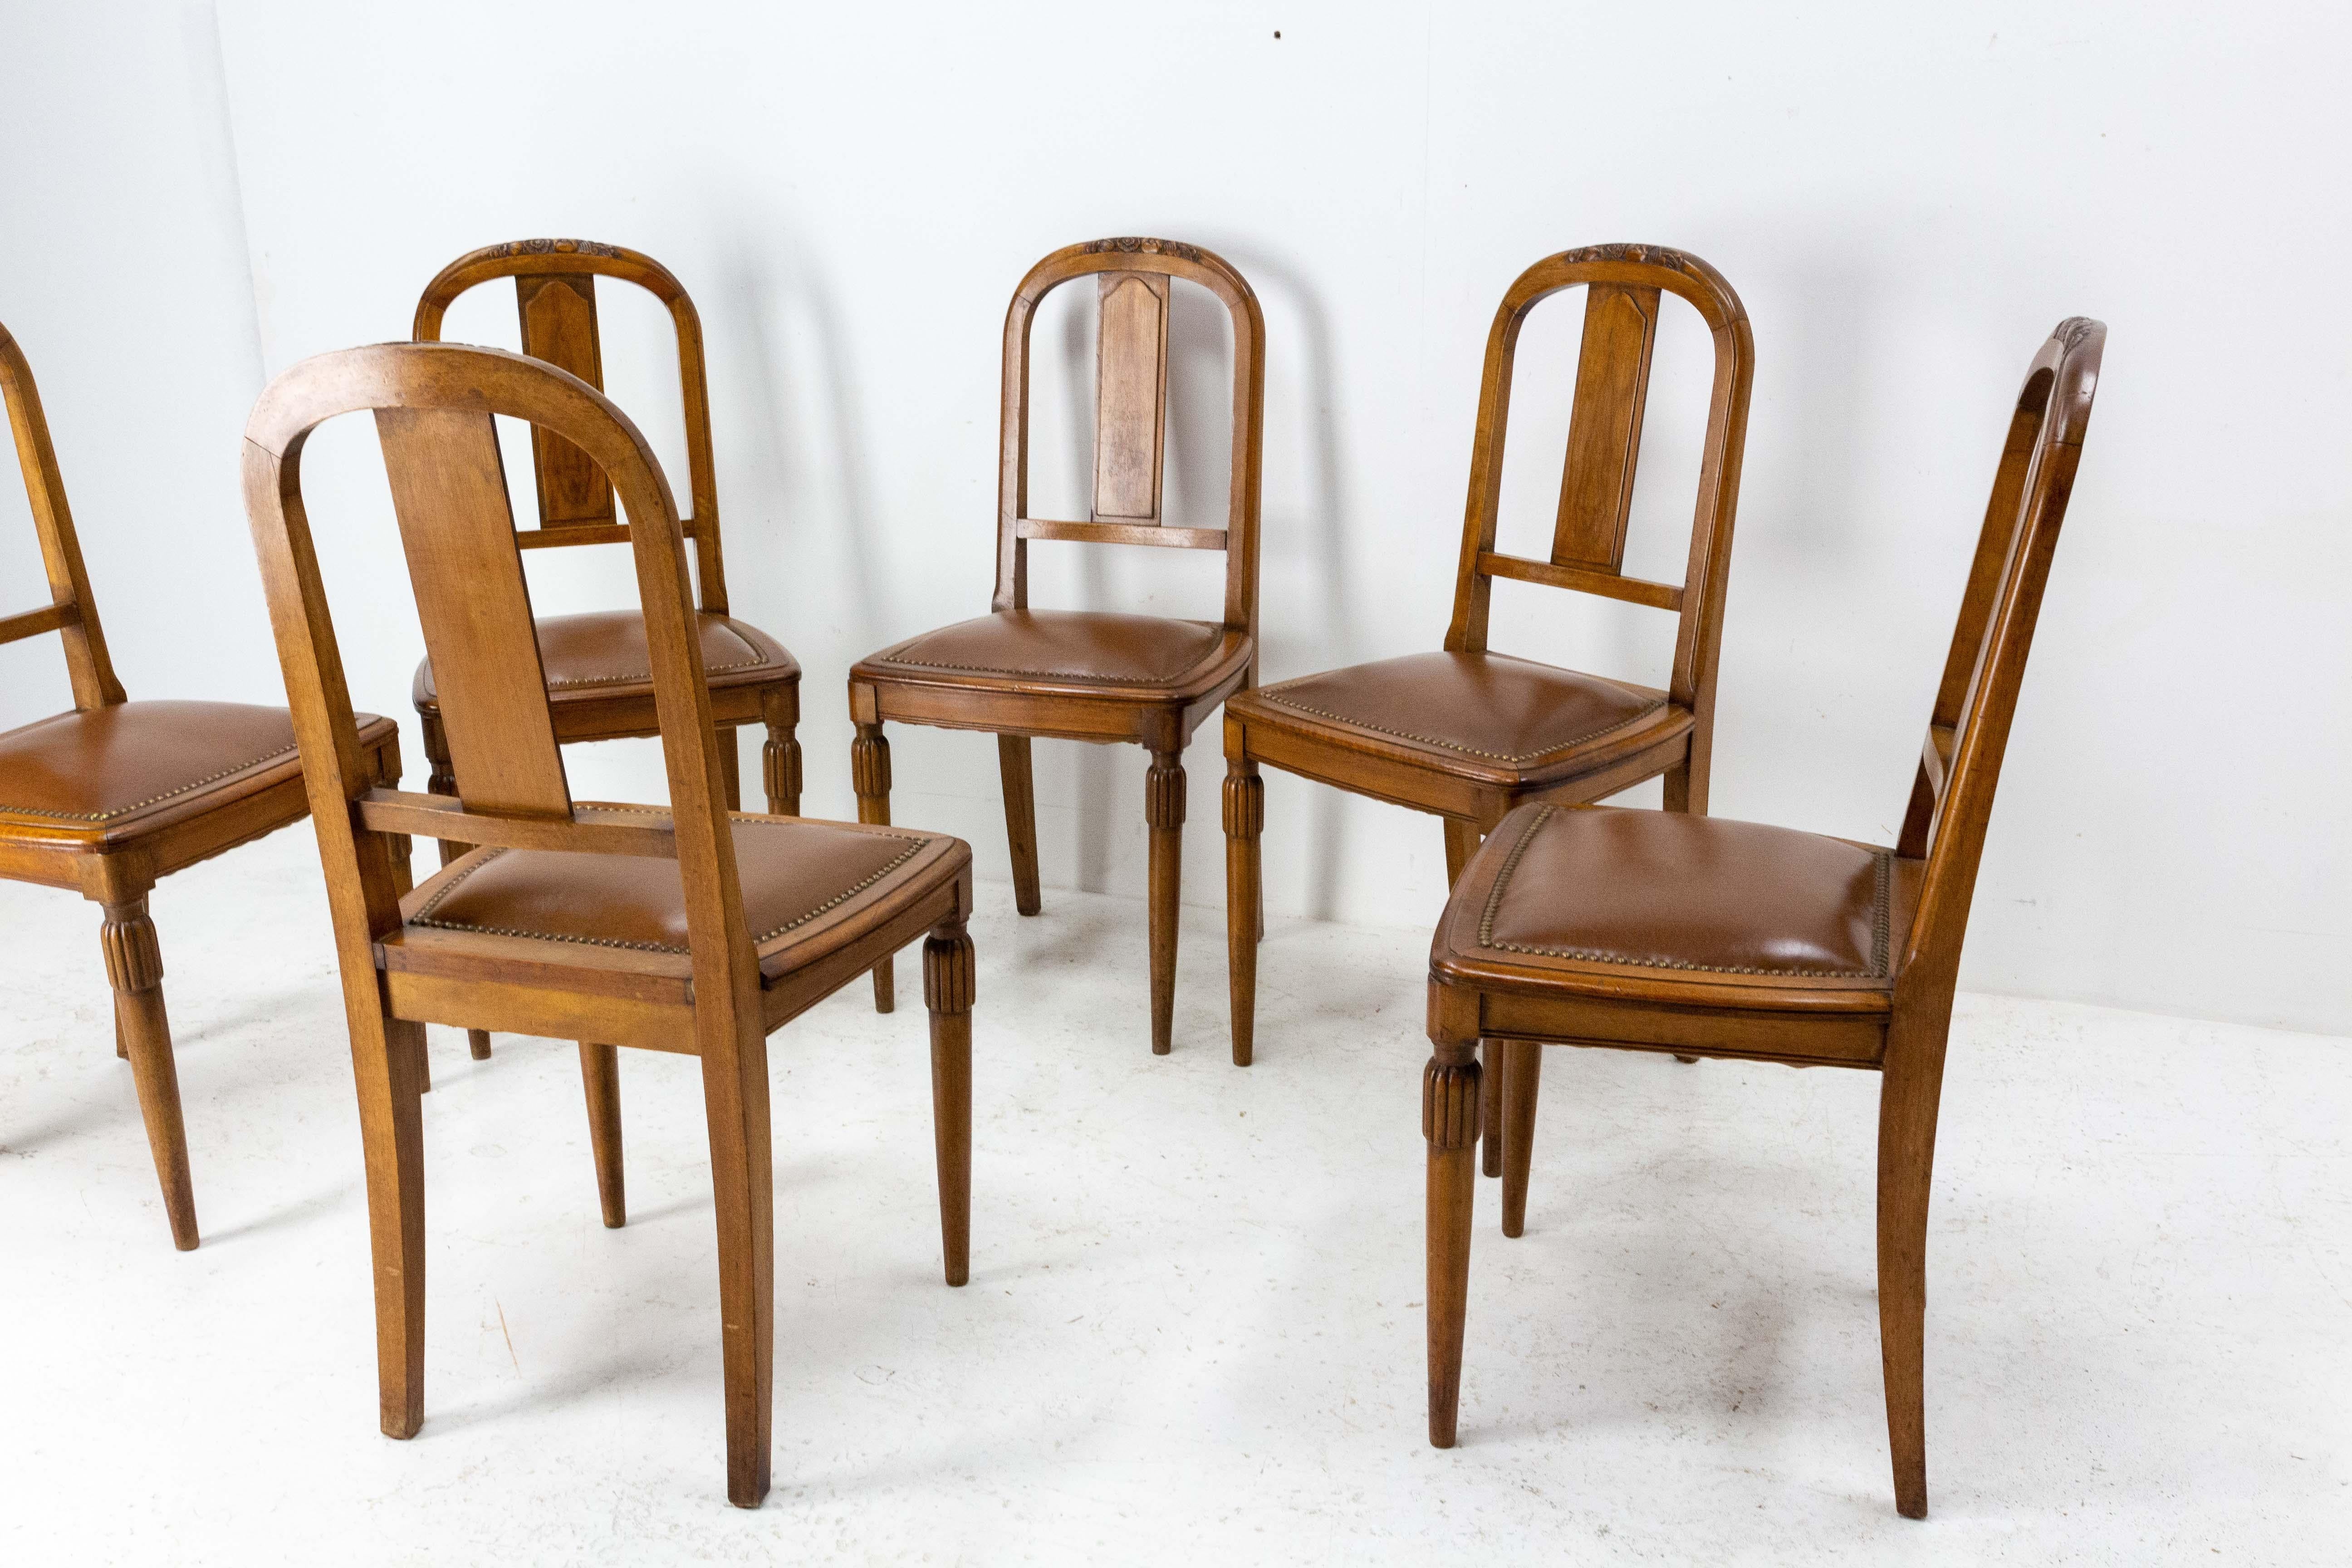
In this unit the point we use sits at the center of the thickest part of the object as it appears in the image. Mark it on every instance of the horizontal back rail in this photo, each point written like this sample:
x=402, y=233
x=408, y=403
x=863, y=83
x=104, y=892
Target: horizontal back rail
x=440, y=817
x=1160, y=533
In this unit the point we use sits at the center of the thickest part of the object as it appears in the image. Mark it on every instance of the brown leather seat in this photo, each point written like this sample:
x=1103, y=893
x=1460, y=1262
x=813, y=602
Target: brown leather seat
x=602, y=654
x=793, y=871
x=1511, y=717
x=1088, y=649
x=105, y=773
x=1600, y=899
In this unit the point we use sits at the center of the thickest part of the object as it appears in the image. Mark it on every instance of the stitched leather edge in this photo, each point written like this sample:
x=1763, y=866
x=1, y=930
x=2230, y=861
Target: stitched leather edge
x=753, y=662
x=151, y=800
x=648, y=675
x=1516, y=759
x=1880, y=925
x=915, y=845
x=1069, y=674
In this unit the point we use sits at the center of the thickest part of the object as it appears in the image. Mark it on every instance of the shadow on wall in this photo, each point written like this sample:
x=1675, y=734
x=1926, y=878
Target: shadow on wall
x=1312, y=542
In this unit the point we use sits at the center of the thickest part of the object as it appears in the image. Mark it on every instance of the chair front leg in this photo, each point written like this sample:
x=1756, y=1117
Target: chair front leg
x=1244, y=802
x=600, y=1079
x=730, y=766
x=1020, y=819
x=779, y=770
x=1449, y=1122
x=1461, y=841
x=443, y=777
x=1908, y=1093
x=1163, y=812
x=948, y=988
x=134, y=967
x=869, y=774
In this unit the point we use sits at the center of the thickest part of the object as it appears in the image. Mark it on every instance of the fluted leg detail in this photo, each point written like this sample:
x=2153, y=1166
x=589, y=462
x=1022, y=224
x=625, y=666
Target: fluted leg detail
x=1449, y=1122
x=869, y=774
x=134, y=967
x=948, y=992
x=780, y=771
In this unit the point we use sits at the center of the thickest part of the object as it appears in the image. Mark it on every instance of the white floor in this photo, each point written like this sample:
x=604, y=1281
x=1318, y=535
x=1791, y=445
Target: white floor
x=1193, y=1332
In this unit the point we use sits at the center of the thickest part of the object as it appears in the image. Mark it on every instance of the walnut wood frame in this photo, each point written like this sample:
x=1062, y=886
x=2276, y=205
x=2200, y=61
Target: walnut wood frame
x=116, y=865
x=1130, y=439
x=576, y=505
x=1623, y=286
x=433, y=405
x=1897, y=1025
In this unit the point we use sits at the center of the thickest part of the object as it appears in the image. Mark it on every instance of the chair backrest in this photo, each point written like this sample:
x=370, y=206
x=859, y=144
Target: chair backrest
x=555, y=295
x=434, y=404
x=71, y=611
x=1624, y=287
x=1132, y=280
x=1967, y=732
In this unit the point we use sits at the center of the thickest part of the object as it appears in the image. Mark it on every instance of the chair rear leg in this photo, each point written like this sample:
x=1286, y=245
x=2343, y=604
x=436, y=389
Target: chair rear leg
x=1020, y=819
x=599, y=1077
x=134, y=967
x=730, y=766
x=1522, y=1070
x=948, y=993
x=869, y=774
x=384, y=1057
x=1907, y=1096
x=1449, y=1122
x=1245, y=813
x=1163, y=811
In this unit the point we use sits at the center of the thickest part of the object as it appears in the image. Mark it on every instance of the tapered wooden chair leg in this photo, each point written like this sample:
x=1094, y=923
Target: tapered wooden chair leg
x=120, y=1049
x=442, y=778
x=1449, y=1121
x=1522, y=1070
x=730, y=766
x=779, y=770
x=1492, y=1135
x=134, y=966
x=478, y=1044
x=1020, y=819
x=600, y=1076
x=742, y=1181
x=869, y=773
x=1907, y=1097
x=424, y=1065
x=1244, y=804
x=1163, y=809
x=1462, y=840
x=384, y=1054
x=948, y=992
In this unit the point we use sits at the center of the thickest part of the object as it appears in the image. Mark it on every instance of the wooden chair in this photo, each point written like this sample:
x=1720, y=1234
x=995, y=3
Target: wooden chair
x=1469, y=734
x=112, y=797
x=1091, y=676
x=686, y=930
x=1659, y=931
x=599, y=676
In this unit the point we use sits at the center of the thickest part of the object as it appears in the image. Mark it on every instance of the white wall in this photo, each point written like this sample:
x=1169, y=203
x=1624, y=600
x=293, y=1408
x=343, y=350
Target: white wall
x=1906, y=199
